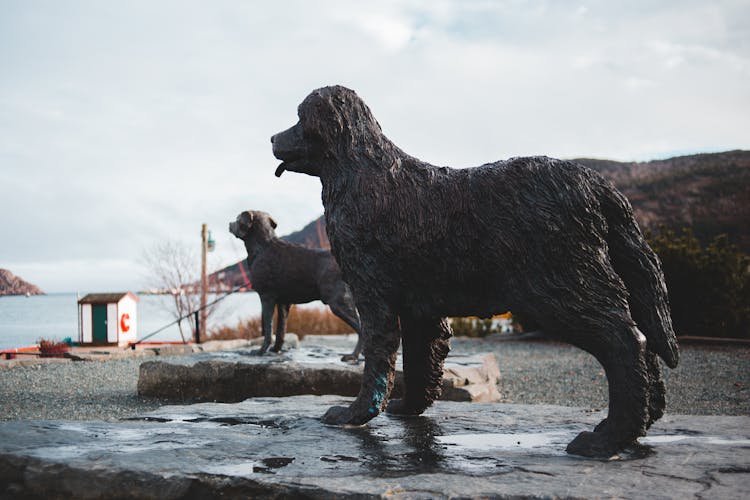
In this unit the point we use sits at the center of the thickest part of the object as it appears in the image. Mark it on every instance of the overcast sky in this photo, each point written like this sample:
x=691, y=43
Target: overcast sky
x=123, y=124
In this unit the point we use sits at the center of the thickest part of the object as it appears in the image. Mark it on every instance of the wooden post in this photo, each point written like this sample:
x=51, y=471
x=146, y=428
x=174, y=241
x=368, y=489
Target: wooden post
x=204, y=284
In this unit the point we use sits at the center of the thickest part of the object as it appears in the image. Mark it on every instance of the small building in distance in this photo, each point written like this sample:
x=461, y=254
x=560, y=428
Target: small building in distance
x=108, y=319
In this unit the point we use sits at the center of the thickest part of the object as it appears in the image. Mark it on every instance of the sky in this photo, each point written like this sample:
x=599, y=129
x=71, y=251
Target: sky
x=127, y=124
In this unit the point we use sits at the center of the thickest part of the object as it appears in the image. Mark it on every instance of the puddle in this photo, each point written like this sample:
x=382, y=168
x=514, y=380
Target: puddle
x=673, y=438
x=305, y=355
x=316, y=355
x=86, y=448
x=735, y=442
x=521, y=440
x=116, y=433
x=229, y=421
x=235, y=469
x=58, y=452
x=663, y=439
x=531, y=440
x=137, y=434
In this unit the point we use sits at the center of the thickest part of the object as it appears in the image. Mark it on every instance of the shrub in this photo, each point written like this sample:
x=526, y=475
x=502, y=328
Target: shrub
x=478, y=327
x=709, y=288
x=302, y=321
x=246, y=329
x=52, y=348
x=315, y=321
x=472, y=327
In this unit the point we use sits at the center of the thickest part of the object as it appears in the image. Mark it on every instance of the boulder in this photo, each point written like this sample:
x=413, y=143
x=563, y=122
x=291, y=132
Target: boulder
x=232, y=376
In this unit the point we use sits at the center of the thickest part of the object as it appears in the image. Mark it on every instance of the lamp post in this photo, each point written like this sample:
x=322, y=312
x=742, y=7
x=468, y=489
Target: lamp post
x=207, y=245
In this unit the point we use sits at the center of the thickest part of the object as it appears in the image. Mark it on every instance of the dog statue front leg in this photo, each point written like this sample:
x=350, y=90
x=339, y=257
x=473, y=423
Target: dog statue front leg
x=267, y=303
x=381, y=347
x=282, y=313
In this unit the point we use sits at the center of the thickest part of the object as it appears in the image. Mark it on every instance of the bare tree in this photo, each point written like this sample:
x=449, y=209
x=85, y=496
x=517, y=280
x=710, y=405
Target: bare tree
x=174, y=268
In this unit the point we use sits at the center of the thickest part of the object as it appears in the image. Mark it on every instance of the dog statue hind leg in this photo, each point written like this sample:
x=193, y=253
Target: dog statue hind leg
x=621, y=353
x=425, y=345
x=348, y=313
x=337, y=295
x=268, y=304
x=596, y=318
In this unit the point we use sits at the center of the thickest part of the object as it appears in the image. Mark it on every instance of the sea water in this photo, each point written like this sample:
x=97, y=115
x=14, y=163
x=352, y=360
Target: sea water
x=25, y=320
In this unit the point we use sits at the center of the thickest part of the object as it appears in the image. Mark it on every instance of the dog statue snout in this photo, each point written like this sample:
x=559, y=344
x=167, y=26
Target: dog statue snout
x=288, y=145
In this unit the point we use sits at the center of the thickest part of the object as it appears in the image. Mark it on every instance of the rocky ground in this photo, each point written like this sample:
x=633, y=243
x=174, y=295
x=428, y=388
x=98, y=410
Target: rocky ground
x=711, y=380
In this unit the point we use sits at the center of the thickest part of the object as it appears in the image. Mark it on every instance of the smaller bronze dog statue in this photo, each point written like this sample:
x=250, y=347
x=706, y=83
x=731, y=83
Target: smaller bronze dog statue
x=284, y=273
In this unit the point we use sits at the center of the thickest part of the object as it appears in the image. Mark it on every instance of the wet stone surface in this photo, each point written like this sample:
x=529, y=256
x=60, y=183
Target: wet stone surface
x=232, y=376
x=277, y=447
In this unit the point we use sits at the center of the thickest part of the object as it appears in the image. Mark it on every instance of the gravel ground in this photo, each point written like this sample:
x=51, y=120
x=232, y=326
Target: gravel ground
x=710, y=380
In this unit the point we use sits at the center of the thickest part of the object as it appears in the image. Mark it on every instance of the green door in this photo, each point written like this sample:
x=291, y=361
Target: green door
x=99, y=322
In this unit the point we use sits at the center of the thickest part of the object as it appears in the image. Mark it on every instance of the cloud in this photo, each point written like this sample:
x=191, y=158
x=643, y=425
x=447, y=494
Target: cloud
x=392, y=33
x=124, y=123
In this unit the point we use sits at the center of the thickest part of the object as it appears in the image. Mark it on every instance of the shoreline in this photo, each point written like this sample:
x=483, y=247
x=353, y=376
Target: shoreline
x=143, y=347
x=710, y=380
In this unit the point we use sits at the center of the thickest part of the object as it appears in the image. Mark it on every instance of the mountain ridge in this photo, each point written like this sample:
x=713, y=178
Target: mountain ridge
x=708, y=192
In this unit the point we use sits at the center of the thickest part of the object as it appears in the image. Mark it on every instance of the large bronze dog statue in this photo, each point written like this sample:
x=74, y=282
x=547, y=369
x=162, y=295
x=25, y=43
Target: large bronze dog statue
x=284, y=273
x=550, y=240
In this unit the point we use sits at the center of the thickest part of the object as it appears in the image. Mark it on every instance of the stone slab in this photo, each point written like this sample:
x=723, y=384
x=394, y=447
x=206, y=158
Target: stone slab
x=278, y=448
x=235, y=375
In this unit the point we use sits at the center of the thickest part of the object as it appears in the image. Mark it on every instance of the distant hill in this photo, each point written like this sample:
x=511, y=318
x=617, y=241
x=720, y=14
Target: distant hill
x=312, y=235
x=10, y=284
x=708, y=192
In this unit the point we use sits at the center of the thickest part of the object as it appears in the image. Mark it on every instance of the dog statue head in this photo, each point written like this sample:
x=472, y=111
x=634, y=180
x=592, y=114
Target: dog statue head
x=253, y=225
x=333, y=124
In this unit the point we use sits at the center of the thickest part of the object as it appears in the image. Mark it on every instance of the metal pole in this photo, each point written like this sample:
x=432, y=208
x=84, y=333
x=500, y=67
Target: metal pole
x=197, y=329
x=204, y=284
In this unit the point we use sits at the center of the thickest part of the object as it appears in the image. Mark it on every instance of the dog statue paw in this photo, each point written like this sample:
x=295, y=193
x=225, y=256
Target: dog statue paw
x=337, y=415
x=343, y=415
x=593, y=445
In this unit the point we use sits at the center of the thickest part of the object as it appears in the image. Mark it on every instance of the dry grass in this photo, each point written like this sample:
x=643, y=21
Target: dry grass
x=302, y=321
x=52, y=348
x=245, y=329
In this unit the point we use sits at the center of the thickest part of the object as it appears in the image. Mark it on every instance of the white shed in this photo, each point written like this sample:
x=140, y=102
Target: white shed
x=108, y=318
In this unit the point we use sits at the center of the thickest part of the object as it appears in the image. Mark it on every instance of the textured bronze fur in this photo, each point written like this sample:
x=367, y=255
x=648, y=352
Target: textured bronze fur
x=550, y=240
x=284, y=273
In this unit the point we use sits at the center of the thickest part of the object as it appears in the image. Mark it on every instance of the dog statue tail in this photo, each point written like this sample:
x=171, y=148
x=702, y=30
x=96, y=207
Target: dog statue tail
x=640, y=269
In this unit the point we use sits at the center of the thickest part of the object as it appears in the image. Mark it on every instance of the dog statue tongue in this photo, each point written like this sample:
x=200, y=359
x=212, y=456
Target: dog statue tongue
x=550, y=240
x=280, y=169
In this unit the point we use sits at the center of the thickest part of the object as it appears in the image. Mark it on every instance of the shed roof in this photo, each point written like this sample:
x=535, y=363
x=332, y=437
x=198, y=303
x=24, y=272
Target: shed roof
x=106, y=298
